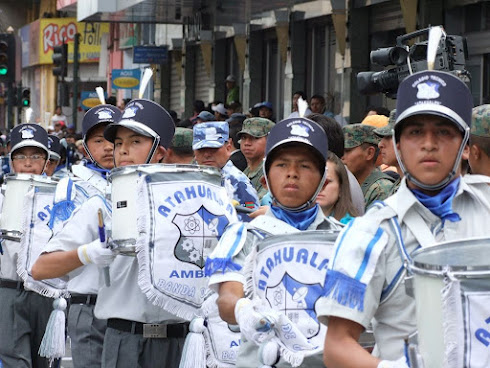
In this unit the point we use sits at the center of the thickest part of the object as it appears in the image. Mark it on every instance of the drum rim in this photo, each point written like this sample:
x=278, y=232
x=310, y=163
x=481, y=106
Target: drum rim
x=158, y=168
x=422, y=268
x=31, y=177
x=280, y=238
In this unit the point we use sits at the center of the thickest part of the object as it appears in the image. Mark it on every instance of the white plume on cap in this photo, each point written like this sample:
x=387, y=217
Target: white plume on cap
x=100, y=94
x=435, y=34
x=29, y=112
x=302, y=106
x=144, y=81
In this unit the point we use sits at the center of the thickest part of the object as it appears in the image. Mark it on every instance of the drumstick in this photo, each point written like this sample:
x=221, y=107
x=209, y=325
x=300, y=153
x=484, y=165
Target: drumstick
x=107, y=276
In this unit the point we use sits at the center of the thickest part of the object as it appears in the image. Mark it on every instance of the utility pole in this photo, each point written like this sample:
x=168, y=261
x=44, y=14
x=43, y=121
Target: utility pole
x=76, y=58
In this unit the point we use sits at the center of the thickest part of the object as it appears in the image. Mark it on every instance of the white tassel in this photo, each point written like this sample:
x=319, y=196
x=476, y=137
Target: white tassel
x=435, y=34
x=53, y=343
x=100, y=94
x=452, y=317
x=302, y=107
x=194, y=352
x=29, y=113
x=144, y=81
x=269, y=354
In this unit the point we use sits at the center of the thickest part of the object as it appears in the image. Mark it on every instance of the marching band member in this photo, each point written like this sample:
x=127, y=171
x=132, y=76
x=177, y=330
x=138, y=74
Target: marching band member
x=60, y=256
x=54, y=154
x=24, y=314
x=142, y=136
x=365, y=280
x=295, y=170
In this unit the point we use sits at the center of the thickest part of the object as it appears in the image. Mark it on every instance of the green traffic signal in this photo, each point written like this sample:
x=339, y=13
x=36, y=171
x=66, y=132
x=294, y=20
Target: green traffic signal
x=3, y=70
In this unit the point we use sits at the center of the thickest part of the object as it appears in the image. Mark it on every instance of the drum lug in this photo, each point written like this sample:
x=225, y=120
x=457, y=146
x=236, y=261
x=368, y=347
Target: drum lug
x=409, y=288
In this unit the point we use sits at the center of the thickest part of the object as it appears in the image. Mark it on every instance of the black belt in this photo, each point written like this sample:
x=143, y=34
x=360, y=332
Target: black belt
x=150, y=330
x=11, y=284
x=88, y=299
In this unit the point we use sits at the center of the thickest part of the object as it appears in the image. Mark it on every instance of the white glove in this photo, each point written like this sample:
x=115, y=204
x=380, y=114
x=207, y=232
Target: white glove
x=95, y=253
x=255, y=323
x=400, y=363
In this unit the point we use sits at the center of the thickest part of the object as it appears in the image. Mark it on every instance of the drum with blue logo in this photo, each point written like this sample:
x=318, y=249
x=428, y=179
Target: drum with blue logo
x=452, y=294
x=127, y=203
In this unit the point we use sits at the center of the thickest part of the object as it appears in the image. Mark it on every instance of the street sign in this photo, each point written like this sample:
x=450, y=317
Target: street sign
x=150, y=54
x=126, y=78
x=89, y=99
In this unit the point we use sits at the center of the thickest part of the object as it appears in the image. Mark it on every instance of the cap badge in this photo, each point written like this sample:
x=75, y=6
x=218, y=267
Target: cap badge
x=104, y=114
x=211, y=134
x=301, y=130
x=50, y=142
x=428, y=90
x=27, y=133
x=130, y=112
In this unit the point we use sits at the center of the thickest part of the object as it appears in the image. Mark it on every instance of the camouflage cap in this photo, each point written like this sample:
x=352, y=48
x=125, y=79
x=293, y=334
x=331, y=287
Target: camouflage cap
x=256, y=127
x=357, y=134
x=480, y=121
x=387, y=131
x=182, y=138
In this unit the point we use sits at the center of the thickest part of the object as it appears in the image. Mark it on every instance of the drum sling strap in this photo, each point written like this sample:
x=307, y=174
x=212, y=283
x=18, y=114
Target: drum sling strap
x=421, y=232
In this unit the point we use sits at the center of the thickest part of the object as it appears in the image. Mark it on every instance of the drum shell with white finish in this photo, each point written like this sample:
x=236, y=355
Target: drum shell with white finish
x=15, y=188
x=124, y=233
x=468, y=262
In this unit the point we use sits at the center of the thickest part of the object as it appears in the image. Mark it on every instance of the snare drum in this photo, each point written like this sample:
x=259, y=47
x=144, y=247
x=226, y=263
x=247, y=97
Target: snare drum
x=124, y=195
x=468, y=262
x=15, y=189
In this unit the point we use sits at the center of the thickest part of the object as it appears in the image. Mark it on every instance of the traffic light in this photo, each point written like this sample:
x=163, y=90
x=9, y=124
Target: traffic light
x=60, y=60
x=7, y=57
x=26, y=97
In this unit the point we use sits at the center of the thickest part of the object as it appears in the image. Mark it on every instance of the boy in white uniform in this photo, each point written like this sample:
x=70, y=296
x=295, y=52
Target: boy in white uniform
x=142, y=136
x=24, y=314
x=365, y=280
x=85, y=330
x=295, y=171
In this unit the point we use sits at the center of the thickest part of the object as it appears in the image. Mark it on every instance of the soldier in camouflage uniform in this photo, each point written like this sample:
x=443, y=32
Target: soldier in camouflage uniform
x=360, y=154
x=253, y=138
x=387, y=150
x=180, y=150
x=212, y=147
x=480, y=141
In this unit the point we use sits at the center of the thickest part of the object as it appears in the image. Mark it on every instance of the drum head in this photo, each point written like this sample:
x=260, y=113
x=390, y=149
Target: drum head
x=463, y=255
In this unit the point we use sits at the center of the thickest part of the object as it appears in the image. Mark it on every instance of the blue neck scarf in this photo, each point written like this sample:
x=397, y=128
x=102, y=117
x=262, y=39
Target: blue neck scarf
x=441, y=204
x=102, y=172
x=300, y=220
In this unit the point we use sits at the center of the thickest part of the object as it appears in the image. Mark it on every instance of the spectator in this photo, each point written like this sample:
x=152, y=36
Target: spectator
x=220, y=112
x=296, y=96
x=265, y=110
x=203, y=116
x=234, y=107
x=233, y=93
x=235, y=123
x=335, y=199
x=335, y=137
x=377, y=110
